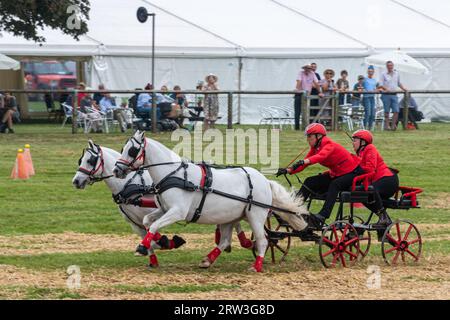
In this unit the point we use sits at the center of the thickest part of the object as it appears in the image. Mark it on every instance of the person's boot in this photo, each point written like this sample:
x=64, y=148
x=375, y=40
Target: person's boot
x=316, y=221
x=383, y=219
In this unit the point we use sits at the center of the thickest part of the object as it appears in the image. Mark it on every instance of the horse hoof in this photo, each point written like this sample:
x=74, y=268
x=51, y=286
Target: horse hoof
x=228, y=249
x=205, y=263
x=253, y=269
x=152, y=266
x=141, y=251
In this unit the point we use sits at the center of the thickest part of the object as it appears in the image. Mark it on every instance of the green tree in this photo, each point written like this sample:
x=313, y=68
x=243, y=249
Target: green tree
x=26, y=17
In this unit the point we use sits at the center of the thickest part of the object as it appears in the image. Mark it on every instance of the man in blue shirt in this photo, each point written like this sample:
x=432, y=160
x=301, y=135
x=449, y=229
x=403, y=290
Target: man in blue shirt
x=108, y=104
x=369, y=84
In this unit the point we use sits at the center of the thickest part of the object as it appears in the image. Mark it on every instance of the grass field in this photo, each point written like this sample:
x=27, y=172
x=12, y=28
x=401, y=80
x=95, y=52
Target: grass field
x=46, y=225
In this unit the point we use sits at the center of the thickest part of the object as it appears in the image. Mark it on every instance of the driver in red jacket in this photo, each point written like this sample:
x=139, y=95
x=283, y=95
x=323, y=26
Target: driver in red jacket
x=344, y=167
x=384, y=180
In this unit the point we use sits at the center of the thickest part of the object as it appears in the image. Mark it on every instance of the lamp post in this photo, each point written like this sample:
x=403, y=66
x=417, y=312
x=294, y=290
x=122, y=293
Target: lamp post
x=142, y=15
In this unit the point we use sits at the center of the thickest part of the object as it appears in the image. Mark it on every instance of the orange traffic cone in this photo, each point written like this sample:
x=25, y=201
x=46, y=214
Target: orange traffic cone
x=28, y=160
x=20, y=168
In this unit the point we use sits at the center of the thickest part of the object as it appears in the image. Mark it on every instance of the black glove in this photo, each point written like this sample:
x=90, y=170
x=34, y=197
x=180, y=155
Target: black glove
x=298, y=164
x=281, y=171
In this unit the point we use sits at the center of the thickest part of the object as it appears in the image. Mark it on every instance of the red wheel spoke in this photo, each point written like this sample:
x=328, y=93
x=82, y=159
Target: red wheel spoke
x=412, y=254
x=391, y=249
x=328, y=252
x=364, y=239
x=399, y=234
x=414, y=241
x=351, y=254
x=344, y=232
x=342, y=260
x=392, y=239
x=351, y=241
x=407, y=232
x=361, y=252
x=394, y=261
x=335, y=257
x=329, y=241
x=335, y=233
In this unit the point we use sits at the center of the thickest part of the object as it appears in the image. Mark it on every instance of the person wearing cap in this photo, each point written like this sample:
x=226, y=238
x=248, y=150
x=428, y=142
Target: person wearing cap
x=389, y=82
x=356, y=97
x=343, y=168
x=211, y=103
x=369, y=84
x=306, y=80
x=384, y=180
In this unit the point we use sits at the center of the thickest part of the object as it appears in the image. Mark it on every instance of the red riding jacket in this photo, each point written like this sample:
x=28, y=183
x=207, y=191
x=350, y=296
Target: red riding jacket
x=371, y=161
x=332, y=155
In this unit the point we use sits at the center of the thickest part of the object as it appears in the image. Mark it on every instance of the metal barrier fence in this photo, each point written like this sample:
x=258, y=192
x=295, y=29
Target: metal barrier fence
x=327, y=110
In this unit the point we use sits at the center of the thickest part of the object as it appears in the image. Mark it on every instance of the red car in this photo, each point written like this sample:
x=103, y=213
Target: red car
x=49, y=75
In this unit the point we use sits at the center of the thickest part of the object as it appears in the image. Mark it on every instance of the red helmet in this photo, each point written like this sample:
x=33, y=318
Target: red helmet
x=315, y=128
x=365, y=135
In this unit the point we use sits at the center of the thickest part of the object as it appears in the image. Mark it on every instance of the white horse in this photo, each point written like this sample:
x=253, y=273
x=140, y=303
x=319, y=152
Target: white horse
x=180, y=205
x=97, y=164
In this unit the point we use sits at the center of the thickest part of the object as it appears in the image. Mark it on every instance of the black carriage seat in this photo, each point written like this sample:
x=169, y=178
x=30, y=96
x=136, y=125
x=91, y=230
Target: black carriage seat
x=407, y=200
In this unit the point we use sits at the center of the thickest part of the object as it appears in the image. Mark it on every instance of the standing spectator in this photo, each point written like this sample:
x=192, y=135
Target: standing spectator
x=199, y=98
x=98, y=95
x=211, y=103
x=369, y=84
x=108, y=104
x=342, y=86
x=306, y=80
x=389, y=82
x=328, y=89
x=9, y=107
x=356, y=97
x=314, y=90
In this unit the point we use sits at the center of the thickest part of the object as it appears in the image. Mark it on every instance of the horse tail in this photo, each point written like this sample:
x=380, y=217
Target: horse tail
x=281, y=198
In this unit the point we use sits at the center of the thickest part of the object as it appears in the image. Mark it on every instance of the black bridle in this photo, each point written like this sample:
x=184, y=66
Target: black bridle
x=133, y=153
x=93, y=161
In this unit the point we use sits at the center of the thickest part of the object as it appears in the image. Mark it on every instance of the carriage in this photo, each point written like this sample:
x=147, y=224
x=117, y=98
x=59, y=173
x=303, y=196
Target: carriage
x=348, y=239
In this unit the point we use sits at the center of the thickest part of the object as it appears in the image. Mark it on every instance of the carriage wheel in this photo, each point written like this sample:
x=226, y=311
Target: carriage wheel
x=365, y=239
x=401, y=241
x=339, y=244
x=278, y=248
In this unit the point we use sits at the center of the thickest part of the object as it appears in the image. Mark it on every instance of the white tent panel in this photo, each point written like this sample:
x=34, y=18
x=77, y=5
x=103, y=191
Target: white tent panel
x=257, y=24
x=380, y=23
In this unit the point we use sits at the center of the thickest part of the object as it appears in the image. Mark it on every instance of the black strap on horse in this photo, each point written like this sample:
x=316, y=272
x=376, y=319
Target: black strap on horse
x=205, y=188
x=250, y=185
x=122, y=196
x=139, y=225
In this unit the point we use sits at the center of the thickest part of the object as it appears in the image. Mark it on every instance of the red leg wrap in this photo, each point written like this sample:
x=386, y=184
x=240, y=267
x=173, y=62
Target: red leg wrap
x=212, y=256
x=147, y=240
x=156, y=236
x=153, y=260
x=217, y=239
x=171, y=244
x=245, y=243
x=258, y=264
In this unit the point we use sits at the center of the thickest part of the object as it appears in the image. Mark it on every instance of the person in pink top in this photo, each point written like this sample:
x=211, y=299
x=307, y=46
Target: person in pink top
x=306, y=80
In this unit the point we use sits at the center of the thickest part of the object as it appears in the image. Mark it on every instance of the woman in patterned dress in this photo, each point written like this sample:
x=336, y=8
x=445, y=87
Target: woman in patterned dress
x=211, y=103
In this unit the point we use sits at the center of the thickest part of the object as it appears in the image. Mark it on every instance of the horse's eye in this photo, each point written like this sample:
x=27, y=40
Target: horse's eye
x=133, y=152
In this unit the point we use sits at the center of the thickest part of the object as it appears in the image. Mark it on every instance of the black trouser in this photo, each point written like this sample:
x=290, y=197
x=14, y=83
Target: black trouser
x=323, y=183
x=297, y=110
x=385, y=188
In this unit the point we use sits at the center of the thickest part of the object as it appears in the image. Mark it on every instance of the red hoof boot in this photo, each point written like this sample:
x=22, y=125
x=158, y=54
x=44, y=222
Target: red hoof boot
x=244, y=241
x=153, y=261
x=147, y=240
x=257, y=266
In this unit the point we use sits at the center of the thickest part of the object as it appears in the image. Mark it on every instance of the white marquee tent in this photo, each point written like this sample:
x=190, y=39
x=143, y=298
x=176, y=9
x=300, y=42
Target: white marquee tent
x=253, y=44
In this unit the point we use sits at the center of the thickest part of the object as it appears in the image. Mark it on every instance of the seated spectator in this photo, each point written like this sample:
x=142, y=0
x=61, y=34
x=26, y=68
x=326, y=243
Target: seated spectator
x=90, y=109
x=108, y=104
x=414, y=115
x=144, y=104
x=342, y=86
x=7, y=110
x=98, y=95
x=359, y=86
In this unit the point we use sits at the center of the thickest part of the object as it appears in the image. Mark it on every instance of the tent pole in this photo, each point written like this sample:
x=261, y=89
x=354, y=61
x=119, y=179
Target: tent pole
x=240, y=65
